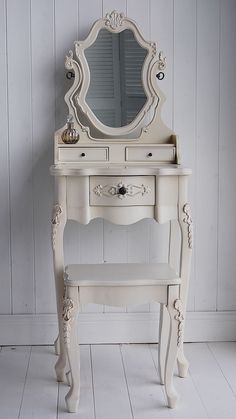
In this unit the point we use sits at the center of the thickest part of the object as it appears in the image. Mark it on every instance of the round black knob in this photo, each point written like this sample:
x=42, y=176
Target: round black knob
x=82, y=154
x=70, y=75
x=149, y=154
x=160, y=75
x=122, y=190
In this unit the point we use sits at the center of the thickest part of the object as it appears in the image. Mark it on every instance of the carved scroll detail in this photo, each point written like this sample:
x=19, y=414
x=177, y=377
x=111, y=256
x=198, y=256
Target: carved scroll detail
x=113, y=190
x=114, y=19
x=180, y=319
x=69, y=60
x=188, y=220
x=68, y=307
x=161, y=61
x=56, y=213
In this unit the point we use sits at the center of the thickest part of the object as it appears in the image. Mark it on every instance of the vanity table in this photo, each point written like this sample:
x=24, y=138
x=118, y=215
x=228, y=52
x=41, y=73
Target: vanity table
x=116, y=159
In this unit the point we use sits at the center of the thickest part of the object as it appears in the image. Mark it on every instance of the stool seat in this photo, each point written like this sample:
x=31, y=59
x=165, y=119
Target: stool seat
x=123, y=284
x=120, y=274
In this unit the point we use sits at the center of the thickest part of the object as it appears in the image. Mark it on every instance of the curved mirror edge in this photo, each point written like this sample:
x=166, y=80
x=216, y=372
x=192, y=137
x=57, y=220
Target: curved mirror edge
x=115, y=93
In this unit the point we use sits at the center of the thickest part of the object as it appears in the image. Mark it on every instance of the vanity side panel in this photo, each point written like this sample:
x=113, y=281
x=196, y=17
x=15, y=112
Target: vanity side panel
x=166, y=198
x=78, y=198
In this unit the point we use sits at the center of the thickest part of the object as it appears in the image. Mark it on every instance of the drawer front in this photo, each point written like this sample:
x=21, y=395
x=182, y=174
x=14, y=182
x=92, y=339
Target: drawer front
x=149, y=153
x=81, y=154
x=122, y=191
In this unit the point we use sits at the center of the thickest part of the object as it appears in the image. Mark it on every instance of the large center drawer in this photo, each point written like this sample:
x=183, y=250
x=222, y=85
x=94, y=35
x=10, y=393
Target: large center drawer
x=72, y=154
x=122, y=190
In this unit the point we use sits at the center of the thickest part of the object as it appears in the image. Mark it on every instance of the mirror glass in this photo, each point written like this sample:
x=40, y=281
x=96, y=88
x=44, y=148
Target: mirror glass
x=116, y=94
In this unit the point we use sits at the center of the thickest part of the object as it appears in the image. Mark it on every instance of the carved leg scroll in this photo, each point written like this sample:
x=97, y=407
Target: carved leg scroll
x=186, y=254
x=70, y=314
x=58, y=224
x=173, y=344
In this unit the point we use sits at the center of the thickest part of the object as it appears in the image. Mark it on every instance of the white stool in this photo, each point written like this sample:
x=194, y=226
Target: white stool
x=123, y=285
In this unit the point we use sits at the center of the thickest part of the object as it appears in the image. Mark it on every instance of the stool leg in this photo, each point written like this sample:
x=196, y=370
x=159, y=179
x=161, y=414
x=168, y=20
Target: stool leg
x=182, y=362
x=174, y=340
x=57, y=346
x=164, y=325
x=70, y=315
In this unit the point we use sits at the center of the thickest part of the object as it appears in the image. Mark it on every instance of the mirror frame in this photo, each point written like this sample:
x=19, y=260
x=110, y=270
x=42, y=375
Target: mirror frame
x=76, y=96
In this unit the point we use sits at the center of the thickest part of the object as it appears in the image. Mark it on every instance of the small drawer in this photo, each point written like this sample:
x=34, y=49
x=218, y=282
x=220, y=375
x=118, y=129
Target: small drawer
x=150, y=153
x=122, y=190
x=81, y=154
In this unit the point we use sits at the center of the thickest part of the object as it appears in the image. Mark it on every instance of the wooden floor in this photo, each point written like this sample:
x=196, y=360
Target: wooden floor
x=118, y=382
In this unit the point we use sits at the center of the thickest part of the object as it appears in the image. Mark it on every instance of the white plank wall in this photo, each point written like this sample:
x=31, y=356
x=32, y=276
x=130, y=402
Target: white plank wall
x=198, y=38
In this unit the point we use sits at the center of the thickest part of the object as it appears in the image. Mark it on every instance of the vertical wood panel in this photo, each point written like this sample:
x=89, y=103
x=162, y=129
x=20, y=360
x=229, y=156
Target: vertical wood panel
x=227, y=173
x=5, y=295
x=20, y=136
x=207, y=153
x=88, y=15
x=185, y=97
x=43, y=121
x=109, y=5
x=162, y=32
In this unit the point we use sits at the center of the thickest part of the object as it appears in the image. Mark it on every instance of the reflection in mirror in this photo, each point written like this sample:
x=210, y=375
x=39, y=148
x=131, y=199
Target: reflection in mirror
x=116, y=94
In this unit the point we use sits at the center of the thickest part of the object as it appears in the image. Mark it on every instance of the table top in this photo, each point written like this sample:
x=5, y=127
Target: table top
x=117, y=170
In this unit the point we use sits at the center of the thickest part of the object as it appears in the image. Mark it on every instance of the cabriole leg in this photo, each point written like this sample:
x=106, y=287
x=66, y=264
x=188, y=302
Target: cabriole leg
x=172, y=348
x=164, y=325
x=182, y=362
x=58, y=224
x=70, y=315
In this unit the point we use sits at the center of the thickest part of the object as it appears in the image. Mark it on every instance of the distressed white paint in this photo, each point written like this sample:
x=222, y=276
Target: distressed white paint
x=198, y=38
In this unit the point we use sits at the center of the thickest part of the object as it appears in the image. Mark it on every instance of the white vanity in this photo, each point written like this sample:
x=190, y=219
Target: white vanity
x=116, y=159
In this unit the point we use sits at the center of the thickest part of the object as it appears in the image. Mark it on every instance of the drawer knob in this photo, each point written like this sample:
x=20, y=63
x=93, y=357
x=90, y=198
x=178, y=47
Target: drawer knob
x=149, y=154
x=82, y=154
x=122, y=190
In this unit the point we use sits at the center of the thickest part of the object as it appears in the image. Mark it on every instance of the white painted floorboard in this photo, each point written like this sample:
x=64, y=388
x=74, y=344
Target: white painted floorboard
x=118, y=382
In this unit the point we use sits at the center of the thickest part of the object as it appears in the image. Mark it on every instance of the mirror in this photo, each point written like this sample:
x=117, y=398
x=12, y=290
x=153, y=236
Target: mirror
x=115, y=93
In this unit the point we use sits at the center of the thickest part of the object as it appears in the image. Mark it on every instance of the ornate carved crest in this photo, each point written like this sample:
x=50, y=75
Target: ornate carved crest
x=56, y=212
x=188, y=220
x=180, y=318
x=114, y=19
x=121, y=190
x=68, y=306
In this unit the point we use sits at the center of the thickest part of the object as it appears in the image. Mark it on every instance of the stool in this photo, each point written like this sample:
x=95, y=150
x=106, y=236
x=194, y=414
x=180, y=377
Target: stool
x=122, y=285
